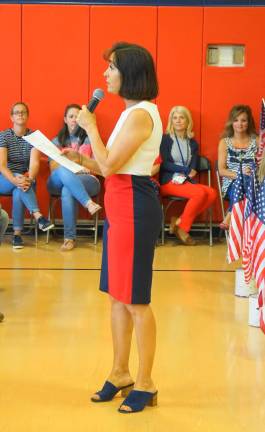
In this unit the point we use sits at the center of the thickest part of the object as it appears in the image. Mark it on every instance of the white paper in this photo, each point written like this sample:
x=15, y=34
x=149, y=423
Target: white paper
x=42, y=143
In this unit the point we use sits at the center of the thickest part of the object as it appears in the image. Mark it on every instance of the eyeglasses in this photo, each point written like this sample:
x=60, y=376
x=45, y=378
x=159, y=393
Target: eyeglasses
x=19, y=112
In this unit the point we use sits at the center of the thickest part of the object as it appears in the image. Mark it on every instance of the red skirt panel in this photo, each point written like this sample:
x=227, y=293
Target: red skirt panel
x=130, y=232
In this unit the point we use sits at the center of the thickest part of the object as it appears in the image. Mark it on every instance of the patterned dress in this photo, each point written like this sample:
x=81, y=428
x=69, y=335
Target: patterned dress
x=235, y=156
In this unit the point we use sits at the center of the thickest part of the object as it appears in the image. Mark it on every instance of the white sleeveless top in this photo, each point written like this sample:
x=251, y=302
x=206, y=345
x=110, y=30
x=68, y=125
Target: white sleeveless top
x=142, y=160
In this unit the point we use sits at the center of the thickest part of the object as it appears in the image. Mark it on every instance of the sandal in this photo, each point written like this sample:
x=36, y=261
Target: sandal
x=68, y=245
x=138, y=400
x=184, y=237
x=93, y=207
x=174, y=222
x=109, y=390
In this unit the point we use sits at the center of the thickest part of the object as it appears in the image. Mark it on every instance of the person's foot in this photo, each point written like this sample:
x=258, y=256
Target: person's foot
x=68, y=245
x=174, y=222
x=2, y=317
x=93, y=207
x=184, y=237
x=119, y=381
x=137, y=400
x=44, y=224
x=17, y=242
x=224, y=225
x=149, y=390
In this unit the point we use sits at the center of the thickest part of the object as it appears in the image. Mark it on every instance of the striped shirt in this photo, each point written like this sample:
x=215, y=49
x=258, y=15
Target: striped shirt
x=18, y=150
x=235, y=155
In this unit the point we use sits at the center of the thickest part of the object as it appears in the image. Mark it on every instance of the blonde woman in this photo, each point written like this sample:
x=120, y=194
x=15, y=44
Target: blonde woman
x=179, y=152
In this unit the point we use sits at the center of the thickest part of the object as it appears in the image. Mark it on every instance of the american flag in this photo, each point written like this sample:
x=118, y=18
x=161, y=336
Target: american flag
x=250, y=222
x=261, y=132
x=253, y=250
x=258, y=247
x=237, y=219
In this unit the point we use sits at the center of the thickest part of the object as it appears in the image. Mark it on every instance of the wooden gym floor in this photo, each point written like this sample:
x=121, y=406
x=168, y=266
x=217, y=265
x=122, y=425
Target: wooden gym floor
x=55, y=343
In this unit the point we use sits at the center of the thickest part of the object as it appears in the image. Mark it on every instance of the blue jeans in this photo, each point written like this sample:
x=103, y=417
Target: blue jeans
x=73, y=188
x=21, y=200
x=231, y=190
x=3, y=223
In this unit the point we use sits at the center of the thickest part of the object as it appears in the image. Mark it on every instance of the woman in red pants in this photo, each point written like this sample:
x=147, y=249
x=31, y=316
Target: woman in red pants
x=179, y=152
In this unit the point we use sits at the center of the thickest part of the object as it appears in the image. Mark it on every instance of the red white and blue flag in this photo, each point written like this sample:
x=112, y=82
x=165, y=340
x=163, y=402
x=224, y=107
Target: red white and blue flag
x=247, y=227
x=250, y=221
x=237, y=219
x=256, y=261
x=261, y=132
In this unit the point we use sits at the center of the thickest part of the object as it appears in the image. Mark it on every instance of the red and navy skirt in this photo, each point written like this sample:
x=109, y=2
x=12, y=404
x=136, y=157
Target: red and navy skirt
x=131, y=229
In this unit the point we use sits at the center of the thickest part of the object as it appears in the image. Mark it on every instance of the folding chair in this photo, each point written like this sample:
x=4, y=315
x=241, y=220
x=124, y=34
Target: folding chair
x=54, y=199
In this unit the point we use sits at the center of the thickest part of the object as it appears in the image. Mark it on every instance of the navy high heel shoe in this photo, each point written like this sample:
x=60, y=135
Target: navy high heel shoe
x=109, y=390
x=138, y=400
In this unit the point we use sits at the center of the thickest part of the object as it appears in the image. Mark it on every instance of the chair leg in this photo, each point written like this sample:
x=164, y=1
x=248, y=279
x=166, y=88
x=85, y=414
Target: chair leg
x=210, y=226
x=49, y=217
x=162, y=226
x=96, y=228
x=36, y=232
x=34, y=227
x=227, y=237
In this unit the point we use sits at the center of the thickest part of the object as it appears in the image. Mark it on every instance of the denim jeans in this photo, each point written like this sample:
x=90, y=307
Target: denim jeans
x=73, y=188
x=231, y=190
x=21, y=200
x=3, y=223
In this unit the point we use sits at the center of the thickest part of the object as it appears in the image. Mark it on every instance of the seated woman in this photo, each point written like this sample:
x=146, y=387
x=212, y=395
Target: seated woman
x=19, y=166
x=179, y=152
x=72, y=187
x=238, y=145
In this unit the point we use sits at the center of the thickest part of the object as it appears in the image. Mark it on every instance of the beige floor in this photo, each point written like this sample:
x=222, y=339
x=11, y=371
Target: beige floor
x=55, y=344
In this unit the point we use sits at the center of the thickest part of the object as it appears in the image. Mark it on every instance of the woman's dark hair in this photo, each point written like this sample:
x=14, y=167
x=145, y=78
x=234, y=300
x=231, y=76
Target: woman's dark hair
x=137, y=69
x=19, y=103
x=63, y=135
x=234, y=113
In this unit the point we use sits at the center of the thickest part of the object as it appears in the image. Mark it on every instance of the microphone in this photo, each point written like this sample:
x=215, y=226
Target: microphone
x=97, y=96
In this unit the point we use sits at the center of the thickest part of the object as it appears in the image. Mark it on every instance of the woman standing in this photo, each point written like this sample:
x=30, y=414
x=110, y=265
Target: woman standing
x=179, y=152
x=238, y=146
x=133, y=219
x=73, y=188
x=19, y=166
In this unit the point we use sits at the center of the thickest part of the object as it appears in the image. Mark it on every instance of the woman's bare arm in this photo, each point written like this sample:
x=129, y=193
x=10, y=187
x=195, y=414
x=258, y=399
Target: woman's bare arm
x=34, y=163
x=136, y=129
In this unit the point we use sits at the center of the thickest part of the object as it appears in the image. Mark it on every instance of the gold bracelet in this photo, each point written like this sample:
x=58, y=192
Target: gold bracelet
x=80, y=159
